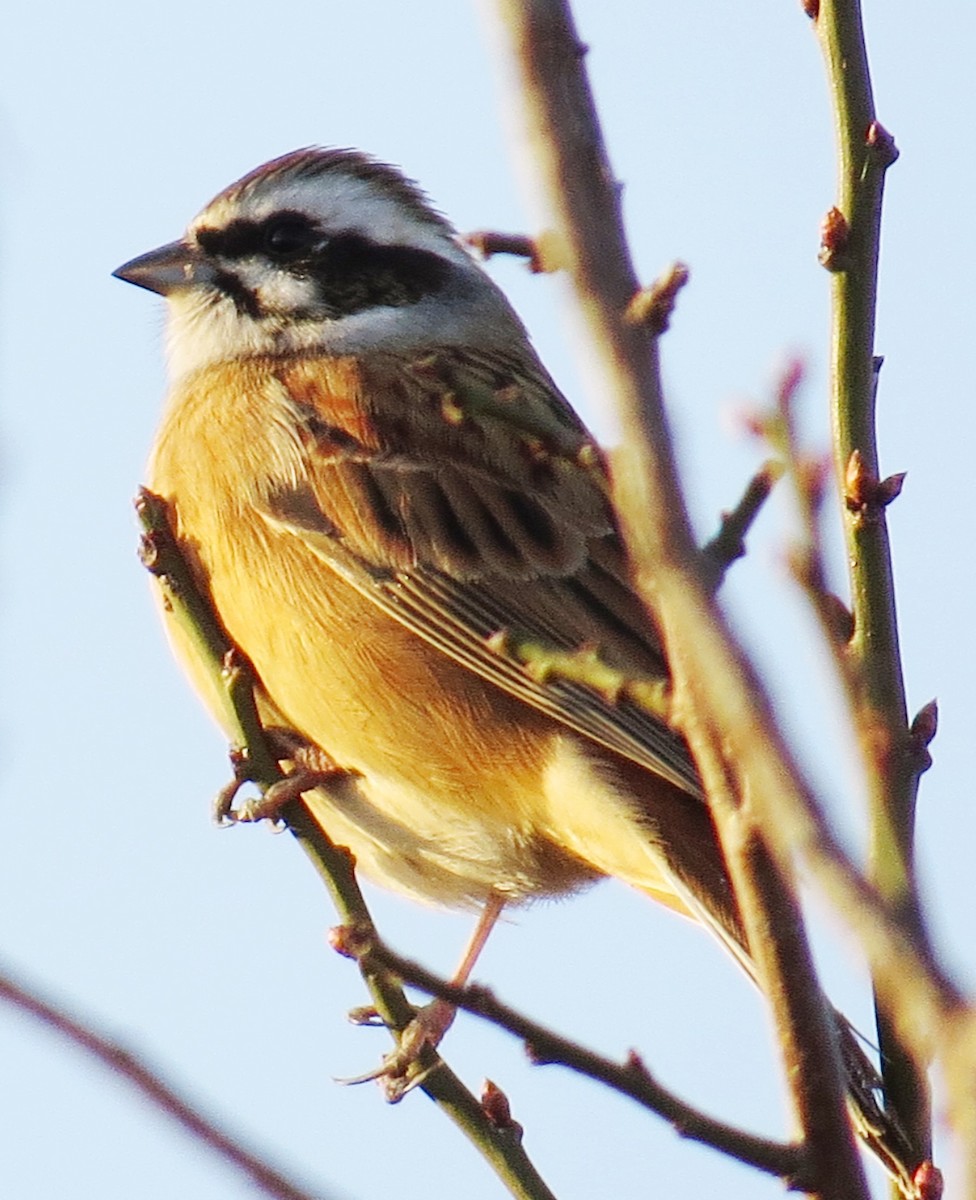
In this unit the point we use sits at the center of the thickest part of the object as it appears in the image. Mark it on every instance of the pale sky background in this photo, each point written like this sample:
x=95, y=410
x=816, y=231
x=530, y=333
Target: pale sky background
x=206, y=948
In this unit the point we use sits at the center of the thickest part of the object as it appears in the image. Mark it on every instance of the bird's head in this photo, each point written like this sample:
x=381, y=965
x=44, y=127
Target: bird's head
x=320, y=250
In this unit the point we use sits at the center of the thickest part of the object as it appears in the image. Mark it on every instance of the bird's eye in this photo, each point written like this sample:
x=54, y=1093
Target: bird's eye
x=288, y=237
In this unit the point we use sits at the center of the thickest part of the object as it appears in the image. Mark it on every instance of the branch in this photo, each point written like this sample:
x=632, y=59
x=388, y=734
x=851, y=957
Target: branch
x=729, y=543
x=568, y=149
x=630, y=1078
x=545, y=662
x=486, y=243
x=721, y=706
x=136, y=1071
x=892, y=763
x=233, y=678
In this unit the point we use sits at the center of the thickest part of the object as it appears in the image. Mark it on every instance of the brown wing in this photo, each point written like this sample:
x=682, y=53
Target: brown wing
x=463, y=496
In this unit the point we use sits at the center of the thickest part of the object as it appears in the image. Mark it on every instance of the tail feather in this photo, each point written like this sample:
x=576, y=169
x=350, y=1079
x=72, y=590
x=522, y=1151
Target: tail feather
x=877, y=1127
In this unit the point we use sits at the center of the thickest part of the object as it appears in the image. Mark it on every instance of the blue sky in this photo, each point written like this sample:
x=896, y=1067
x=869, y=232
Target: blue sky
x=207, y=948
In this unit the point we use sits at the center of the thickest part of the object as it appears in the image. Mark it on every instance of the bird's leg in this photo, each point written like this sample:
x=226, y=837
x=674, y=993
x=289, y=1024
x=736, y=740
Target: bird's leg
x=397, y=1073
x=437, y=1017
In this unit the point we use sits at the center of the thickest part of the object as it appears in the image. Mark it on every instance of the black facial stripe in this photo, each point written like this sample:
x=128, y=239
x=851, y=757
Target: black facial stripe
x=241, y=238
x=354, y=274
x=245, y=301
x=350, y=272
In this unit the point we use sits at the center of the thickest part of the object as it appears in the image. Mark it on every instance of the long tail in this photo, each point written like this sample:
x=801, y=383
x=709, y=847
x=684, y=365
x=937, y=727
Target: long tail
x=877, y=1127
x=677, y=860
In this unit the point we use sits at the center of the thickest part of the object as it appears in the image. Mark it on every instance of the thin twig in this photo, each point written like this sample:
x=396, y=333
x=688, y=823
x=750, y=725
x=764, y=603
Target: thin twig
x=630, y=1078
x=486, y=243
x=729, y=543
x=892, y=765
x=147, y=1080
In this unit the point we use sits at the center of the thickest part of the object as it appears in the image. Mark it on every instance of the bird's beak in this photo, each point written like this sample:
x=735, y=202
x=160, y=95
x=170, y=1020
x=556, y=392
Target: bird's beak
x=166, y=269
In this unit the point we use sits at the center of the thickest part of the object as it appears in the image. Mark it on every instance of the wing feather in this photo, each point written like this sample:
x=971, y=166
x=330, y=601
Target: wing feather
x=463, y=497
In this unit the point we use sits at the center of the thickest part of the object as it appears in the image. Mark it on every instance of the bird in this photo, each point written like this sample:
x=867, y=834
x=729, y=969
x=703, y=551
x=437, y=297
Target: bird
x=384, y=495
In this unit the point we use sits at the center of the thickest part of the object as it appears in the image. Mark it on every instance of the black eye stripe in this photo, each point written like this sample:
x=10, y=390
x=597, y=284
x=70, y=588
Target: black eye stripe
x=242, y=238
x=349, y=273
x=353, y=273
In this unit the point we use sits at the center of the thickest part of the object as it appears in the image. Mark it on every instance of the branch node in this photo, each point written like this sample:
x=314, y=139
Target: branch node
x=890, y=488
x=536, y=1056
x=865, y=494
x=922, y=732
x=652, y=306
x=928, y=1182
x=811, y=8
x=880, y=141
x=835, y=233
x=351, y=941
x=634, y=1064
x=496, y=1107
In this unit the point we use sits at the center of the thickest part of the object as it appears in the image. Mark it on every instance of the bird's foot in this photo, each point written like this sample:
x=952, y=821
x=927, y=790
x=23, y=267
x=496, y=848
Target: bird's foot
x=268, y=806
x=402, y=1069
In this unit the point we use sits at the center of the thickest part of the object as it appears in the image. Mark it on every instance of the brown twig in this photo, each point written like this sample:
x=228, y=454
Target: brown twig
x=630, y=1078
x=729, y=543
x=148, y=1081
x=720, y=704
x=486, y=243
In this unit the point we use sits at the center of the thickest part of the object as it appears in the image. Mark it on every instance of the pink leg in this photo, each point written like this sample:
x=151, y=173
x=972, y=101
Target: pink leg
x=398, y=1072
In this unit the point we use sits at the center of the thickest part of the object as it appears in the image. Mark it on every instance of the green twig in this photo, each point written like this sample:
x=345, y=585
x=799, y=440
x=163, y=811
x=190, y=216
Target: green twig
x=546, y=663
x=232, y=677
x=893, y=762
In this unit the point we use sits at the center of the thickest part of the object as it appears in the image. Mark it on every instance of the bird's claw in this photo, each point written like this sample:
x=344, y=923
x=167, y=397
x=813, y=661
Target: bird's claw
x=366, y=1015
x=268, y=806
x=401, y=1070
x=223, y=803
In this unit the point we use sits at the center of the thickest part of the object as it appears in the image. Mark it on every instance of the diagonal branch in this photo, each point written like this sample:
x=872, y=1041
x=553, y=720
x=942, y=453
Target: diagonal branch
x=630, y=1078
x=232, y=677
x=147, y=1080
